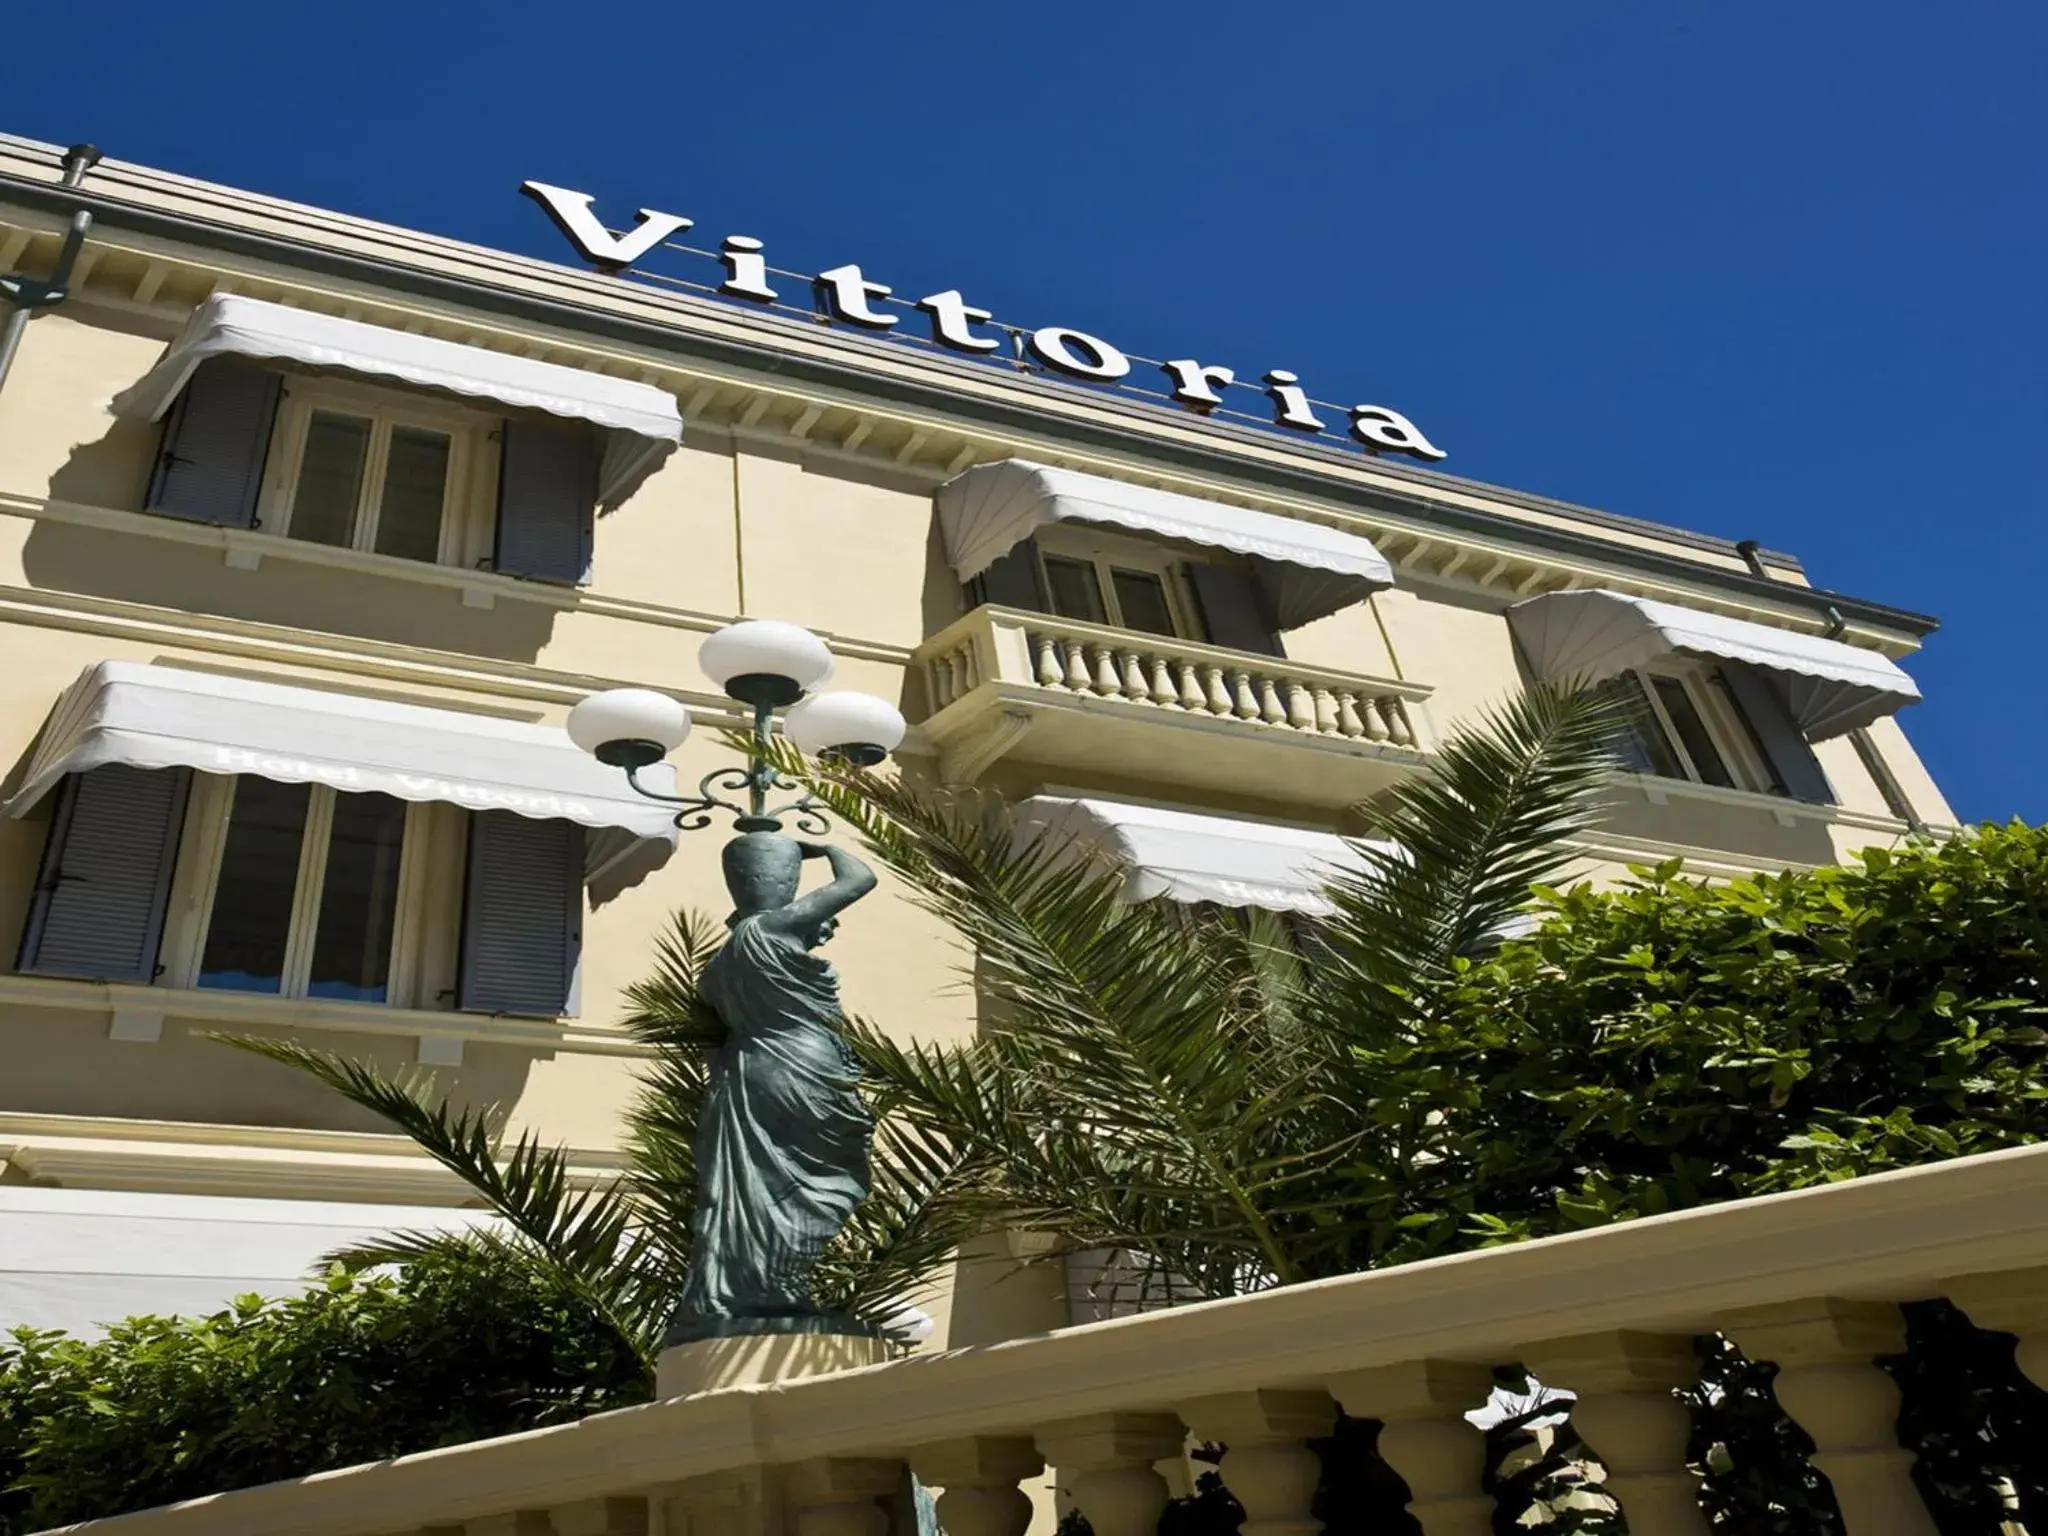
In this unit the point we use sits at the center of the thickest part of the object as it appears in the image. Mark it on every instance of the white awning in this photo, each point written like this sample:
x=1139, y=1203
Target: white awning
x=1191, y=858
x=79, y=1259
x=1587, y=637
x=165, y=717
x=639, y=424
x=1307, y=569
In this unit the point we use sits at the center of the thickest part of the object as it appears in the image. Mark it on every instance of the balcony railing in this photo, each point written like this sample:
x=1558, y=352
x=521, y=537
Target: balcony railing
x=1811, y=1281
x=999, y=656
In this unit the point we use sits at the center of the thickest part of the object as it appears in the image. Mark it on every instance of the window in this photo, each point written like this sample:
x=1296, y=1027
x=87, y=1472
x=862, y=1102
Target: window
x=381, y=471
x=295, y=889
x=1101, y=588
x=1686, y=723
x=355, y=470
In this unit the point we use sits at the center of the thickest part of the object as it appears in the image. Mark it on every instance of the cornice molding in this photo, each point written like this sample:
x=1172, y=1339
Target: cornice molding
x=947, y=423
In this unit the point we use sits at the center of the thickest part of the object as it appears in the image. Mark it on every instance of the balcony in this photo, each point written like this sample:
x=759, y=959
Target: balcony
x=1067, y=696
x=1811, y=1281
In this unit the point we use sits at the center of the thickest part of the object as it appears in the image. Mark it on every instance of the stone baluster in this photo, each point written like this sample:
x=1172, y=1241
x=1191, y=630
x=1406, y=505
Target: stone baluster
x=1163, y=689
x=600, y=1517
x=1136, y=689
x=1107, y=681
x=1626, y=1413
x=1267, y=1463
x=1050, y=671
x=1373, y=713
x=1194, y=691
x=1399, y=731
x=1348, y=721
x=1108, y=1458
x=2010, y=1301
x=840, y=1495
x=980, y=1475
x=1325, y=712
x=961, y=664
x=1271, y=710
x=1218, y=691
x=1244, y=703
x=1301, y=706
x=1078, y=679
x=1424, y=1436
x=1828, y=1384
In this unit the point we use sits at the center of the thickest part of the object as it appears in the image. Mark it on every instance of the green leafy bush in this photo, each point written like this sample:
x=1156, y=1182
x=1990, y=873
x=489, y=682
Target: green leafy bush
x=459, y=1346
x=1672, y=1043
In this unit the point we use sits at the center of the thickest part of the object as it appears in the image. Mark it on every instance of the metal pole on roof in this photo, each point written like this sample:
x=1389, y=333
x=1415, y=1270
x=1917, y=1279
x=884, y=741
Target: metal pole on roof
x=27, y=295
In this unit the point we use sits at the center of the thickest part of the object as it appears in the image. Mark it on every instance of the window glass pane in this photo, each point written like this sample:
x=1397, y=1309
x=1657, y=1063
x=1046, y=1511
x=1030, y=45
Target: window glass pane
x=1773, y=782
x=1142, y=598
x=358, y=899
x=1071, y=586
x=252, y=905
x=415, y=484
x=1692, y=731
x=330, y=478
x=1640, y=745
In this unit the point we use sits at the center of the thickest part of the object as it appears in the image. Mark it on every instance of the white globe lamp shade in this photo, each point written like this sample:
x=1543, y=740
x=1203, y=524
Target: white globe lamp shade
x=765, y=661
x=855, y=727
x=629, y=727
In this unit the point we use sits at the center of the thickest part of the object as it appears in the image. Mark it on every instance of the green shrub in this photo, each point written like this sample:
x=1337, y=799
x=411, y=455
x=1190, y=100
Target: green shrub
x=456, y=1347
x=1672, y=1043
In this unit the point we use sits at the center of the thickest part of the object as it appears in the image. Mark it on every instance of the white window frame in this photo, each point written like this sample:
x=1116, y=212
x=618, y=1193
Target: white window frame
x=1731, y=735
x=425, y=922
x=1107, y=552
x=468, y=512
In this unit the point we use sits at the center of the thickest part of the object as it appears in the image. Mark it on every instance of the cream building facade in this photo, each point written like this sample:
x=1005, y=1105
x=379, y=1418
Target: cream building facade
x=312, y=530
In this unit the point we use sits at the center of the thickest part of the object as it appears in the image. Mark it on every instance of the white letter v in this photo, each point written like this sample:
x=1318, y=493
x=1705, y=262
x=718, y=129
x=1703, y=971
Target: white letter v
x=572, y=216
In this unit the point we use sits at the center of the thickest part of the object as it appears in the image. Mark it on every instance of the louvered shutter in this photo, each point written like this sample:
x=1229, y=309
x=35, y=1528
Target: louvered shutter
x=210, y=469
x=1232, y=614
x=1777, y=736
x=1012, y=580
x=547, y=500
x=99, y=904
x=522, y=923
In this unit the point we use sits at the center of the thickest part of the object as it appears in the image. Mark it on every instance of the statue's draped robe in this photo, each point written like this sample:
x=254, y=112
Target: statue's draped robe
x=782, y=1141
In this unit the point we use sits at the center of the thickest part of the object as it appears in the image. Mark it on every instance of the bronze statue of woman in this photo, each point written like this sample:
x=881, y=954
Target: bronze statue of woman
x=783, y=1137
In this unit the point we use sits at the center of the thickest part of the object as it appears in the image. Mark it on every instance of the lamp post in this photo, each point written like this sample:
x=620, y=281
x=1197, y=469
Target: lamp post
x=783, y=1136
x=768, y=666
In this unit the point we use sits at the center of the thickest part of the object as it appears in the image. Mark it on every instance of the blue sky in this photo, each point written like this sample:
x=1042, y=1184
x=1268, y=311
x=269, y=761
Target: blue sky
x=1770, y=271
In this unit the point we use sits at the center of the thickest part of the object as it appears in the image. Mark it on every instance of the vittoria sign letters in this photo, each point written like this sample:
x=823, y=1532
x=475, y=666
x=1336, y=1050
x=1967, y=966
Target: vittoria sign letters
x=846, y=294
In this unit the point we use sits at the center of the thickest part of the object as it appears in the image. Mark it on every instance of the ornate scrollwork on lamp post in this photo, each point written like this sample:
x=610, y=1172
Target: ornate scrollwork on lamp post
x=783, y=1137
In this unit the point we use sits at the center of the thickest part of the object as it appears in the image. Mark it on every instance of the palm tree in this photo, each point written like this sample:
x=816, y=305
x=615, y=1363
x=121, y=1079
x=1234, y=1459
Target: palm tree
x=1202, y=1092
x=1211, y=1095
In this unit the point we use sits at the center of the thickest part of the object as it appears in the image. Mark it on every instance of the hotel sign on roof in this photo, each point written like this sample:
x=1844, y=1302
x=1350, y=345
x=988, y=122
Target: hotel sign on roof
x=847, y=295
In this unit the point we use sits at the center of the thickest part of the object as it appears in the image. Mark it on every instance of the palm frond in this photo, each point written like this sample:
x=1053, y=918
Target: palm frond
x=586, y=1234
x=1491, y=819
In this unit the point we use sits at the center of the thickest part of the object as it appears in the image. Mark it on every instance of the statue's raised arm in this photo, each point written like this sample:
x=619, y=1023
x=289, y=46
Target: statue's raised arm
x=851, y=880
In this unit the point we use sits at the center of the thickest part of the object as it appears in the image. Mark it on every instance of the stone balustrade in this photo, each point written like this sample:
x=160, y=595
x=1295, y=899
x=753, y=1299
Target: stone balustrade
x=1092, y=661
x=1812, y=1281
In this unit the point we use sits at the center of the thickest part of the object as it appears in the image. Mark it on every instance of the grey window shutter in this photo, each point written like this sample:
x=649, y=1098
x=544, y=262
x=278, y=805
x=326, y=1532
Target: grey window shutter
x=522, y=921
x=1012, y=580
x=99, y=904
x=547, y=499
x=1232, y=614
x=1777, y=736
x=210, y=468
